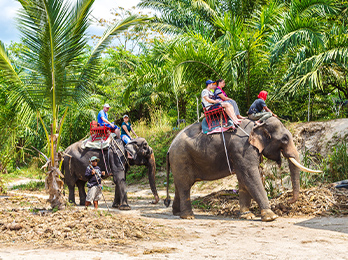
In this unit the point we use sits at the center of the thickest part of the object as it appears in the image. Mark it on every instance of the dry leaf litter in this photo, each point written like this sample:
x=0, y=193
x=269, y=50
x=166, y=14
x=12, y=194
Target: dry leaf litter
x=77, y=228
x=316, y=201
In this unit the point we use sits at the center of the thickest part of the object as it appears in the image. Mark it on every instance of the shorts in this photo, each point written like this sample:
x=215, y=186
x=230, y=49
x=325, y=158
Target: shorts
x=107, y=125
x=125, y=138
x=94, y=194
x=214, y=106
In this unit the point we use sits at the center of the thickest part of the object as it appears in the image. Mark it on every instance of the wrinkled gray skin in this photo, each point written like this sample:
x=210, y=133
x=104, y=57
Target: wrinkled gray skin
x=194, y=156
x=77, y=160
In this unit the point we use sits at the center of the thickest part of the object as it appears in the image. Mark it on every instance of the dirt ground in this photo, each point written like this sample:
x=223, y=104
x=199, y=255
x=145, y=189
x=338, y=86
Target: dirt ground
x=207, y=237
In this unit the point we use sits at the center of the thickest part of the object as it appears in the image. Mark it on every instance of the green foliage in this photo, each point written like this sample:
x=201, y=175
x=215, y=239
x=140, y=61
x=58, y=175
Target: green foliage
x=159, y=134
x=270, y=183
x=336, y=163
x=197, y=203
x=2, y=186
x=335, y=166
x=31, y=186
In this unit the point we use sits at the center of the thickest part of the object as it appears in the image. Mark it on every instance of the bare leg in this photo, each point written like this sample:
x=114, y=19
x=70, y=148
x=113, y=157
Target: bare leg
x=118, y=133
x=230, y=112
x=87, y=204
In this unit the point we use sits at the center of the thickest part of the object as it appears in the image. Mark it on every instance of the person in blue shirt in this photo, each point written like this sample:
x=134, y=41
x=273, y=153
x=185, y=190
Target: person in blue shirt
x=126, y=128
x=103, y=120
x=258, y=110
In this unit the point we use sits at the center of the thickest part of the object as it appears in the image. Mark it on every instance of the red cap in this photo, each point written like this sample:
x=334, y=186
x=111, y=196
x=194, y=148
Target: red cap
x=263, y=95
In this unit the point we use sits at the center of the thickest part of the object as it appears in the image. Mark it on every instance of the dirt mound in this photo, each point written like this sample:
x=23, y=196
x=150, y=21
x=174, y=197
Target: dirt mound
x=323, y=200
x=73, y=228
x=319, y=137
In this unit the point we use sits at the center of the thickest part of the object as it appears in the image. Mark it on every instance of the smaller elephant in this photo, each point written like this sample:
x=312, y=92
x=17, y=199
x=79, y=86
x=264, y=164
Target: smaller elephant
x=76, y=161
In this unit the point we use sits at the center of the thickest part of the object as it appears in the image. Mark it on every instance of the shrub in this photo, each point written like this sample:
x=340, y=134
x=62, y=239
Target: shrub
x=336, y=163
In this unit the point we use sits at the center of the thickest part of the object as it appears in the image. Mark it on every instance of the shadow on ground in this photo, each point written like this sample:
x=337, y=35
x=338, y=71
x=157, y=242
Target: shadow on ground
x=326, y=223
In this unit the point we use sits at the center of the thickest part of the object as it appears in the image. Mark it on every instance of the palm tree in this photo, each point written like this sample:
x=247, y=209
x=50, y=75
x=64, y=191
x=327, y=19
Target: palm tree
x=53, y=76
x=312, y=39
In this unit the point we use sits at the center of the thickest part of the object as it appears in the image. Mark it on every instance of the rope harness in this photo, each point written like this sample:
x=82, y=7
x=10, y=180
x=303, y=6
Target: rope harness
x=223, y=139
x=125, y=157
x=112, y=145
x=101, y=148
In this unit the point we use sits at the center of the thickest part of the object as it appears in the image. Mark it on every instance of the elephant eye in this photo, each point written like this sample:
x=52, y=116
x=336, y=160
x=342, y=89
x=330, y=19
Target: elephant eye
x=285, y=139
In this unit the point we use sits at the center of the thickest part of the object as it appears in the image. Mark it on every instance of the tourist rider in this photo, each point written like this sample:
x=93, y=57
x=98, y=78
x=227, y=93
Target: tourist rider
x=221, y=95
x=126, y=128
x=258, y=110
x=209, y=101
x=103, y=120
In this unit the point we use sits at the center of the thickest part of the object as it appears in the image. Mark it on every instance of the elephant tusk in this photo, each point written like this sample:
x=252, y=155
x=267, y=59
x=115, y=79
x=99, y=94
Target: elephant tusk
x=305, y=169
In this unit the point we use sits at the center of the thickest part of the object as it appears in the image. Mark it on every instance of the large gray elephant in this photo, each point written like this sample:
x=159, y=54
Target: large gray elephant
x=194, y=156
x=76, y=161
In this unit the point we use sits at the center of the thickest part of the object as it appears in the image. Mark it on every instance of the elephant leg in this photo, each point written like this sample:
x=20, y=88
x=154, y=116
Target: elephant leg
x=176, y=203
x=82, y=193
x=116, y=202
x=71, y=194
x=253, y=183
x=185, y=203
x=120, y=191
x=244, y=203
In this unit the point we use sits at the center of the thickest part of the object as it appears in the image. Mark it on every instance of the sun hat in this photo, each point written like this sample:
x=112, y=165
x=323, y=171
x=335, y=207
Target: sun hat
x=125, y=116
x=209, y=81
x=93, y=158
x=106, y=105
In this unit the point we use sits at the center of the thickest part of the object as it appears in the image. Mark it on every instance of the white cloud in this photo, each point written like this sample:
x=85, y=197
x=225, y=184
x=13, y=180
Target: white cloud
x=100, y=9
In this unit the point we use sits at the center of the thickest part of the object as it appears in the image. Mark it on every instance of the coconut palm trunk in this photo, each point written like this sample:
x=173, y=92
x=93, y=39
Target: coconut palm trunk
x=52, y=73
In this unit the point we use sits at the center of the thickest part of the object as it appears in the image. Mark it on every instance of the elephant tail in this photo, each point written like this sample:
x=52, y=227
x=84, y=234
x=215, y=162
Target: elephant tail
x=167, y=200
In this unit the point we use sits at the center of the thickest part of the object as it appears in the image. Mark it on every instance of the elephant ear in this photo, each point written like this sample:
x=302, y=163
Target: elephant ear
x=259, y=137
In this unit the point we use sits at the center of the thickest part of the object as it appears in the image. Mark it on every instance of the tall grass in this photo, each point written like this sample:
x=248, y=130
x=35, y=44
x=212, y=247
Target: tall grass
x=335, y=166
x=336, y=163
x=159, y=133
x=159, y=122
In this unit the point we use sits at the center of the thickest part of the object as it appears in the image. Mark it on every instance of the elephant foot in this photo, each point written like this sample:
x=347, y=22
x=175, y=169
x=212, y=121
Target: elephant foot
x=124, y=207
x=115, y=206
x=155, y=201
x=187, y=216
x=246, y=215
x=72, y=203
x=176, y=213
x=268, y=215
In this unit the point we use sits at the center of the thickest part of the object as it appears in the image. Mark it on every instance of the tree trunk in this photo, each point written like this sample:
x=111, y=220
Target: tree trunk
x=248, y=80
x=53, y=183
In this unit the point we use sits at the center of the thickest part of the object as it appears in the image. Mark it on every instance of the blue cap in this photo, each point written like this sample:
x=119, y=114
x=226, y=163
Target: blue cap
x=209, y=81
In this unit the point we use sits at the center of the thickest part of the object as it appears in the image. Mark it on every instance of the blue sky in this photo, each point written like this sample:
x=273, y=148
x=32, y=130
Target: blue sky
x=8, y=10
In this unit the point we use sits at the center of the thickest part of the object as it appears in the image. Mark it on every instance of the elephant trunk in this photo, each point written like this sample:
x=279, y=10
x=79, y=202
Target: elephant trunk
x=295, y=179
x=151, y=174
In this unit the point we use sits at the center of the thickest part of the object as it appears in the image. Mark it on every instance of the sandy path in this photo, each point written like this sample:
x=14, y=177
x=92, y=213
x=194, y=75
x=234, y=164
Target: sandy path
x=214, y=237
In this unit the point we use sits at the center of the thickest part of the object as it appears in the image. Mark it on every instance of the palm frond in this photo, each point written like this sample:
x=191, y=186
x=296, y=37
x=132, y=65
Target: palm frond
x=8, y=71
x=92, y=66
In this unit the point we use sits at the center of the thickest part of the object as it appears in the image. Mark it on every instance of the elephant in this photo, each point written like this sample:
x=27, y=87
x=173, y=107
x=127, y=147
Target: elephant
x=76, y=161
x=194, y=156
